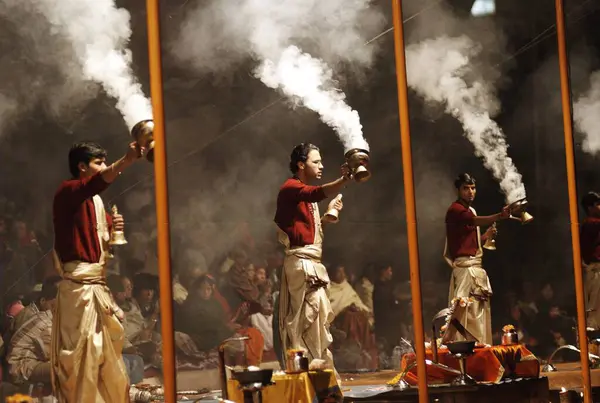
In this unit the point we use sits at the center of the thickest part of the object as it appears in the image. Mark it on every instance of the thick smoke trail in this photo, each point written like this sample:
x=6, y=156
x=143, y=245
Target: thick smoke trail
x=586, y=116
x=300, y=75
x=222, y=34
x=441, y=71
x=99, y=33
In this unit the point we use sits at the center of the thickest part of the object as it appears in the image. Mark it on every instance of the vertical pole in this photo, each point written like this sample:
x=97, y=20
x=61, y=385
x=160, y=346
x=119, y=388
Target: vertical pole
x=565, y=90
x=409, y=197
x=162, y=203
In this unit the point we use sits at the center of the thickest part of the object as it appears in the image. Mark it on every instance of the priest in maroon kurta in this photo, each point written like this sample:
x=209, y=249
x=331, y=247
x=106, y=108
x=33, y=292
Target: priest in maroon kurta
x=304, y=309
x=464, y=255
x=589, y=240
x=87, y=334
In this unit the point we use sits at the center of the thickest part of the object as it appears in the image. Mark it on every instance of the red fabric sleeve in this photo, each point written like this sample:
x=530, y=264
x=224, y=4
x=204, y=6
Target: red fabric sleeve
x=297, y=191
x=76, y=191
x=459, y=215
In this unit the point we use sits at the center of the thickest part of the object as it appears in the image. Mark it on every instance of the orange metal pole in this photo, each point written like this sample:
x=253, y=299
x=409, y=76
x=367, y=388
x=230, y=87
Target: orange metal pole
x=409, y=197
x=565, y=90
x=162, y=203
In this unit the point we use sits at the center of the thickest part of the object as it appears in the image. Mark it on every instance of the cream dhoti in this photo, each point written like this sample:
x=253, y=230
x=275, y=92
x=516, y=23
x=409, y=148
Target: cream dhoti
x=592, y=294
x=470, y=280
x=87, y=335
x=305, y=313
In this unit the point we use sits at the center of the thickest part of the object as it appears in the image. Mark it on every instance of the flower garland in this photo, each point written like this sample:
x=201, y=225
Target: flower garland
x=19, y=398
x=463, y=302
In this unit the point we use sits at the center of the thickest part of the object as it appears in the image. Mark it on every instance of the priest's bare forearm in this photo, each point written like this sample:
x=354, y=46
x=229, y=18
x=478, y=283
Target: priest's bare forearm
x=113, y=170
x=482, y=221
x=333, y=188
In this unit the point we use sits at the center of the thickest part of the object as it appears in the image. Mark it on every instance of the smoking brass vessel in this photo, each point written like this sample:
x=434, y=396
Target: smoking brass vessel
x=520, y=206
x=143, y=134
x=358, y=162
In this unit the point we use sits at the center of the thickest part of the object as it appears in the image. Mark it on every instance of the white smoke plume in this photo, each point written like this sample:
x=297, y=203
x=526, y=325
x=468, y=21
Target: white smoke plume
x=586, y=116
x=100, y=33
x=303, y=77
x=442, y=71
x=223, y=33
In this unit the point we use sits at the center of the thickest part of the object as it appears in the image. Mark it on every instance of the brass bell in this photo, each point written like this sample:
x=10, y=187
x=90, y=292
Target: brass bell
x=358, y=162
x=333, y=215
x=143, y=134
x=526, y=217
x=116, y=237
x=490, y=242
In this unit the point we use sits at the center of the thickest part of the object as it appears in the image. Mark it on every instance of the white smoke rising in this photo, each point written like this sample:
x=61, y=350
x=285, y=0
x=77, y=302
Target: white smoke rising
x=586, y=115
x=303, y=77
x=223, y=33
x=441, y=71
x=99, y=33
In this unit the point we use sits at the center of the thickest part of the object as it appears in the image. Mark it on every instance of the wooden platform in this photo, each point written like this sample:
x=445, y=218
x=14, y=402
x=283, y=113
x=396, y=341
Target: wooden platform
x=514, y=391
x=568, y=375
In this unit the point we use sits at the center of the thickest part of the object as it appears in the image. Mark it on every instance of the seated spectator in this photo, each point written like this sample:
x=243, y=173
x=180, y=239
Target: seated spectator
x=202, y=317
x=140, y=332
x=29, y=351
x=364, y=288
x=183, y=281
x=43, y=300
x=352, y=317
x=264, y=321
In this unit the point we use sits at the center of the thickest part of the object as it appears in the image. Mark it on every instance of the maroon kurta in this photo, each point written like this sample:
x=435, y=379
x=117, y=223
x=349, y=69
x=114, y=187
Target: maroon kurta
x=461, y=233
x=294, y=211
x=75, y=236
x=590, y=240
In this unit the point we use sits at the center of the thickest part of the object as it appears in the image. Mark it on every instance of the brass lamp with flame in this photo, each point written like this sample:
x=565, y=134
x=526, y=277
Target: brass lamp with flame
x=143, y=134
x=358, y=162
x=116, y=237
x=490, y=242
x=520, y=207
x=333, y=215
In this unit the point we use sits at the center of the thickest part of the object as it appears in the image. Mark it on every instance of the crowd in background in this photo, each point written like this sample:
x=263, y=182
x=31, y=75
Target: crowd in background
x=236, y=295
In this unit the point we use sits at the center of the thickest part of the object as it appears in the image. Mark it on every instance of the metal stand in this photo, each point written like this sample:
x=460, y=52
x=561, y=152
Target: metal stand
x=463, y=379
x=253, y=392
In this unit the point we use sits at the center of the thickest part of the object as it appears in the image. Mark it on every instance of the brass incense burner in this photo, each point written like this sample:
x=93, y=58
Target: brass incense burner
x=143, y=134
x=520, y=208
x=358, y=162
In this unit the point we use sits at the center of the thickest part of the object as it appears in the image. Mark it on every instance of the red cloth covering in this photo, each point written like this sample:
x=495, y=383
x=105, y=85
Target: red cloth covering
x=75, y=236
x=461, y=233
x=294, y=210
x=489, y=364
x=589, y=240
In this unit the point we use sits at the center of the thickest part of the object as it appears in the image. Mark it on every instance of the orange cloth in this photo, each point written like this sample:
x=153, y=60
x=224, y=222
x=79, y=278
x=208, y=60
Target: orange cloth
x=489, y=364
x=254, y=346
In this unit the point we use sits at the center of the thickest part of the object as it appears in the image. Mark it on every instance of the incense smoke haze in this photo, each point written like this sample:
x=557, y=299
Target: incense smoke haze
x=587, y=116
x=224, y=33
x=440, y=70
x=99, y=33
x=300, y=75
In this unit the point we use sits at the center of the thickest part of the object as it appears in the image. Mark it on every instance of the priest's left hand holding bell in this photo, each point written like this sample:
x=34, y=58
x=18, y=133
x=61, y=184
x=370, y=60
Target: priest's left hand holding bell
x=118, y=222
